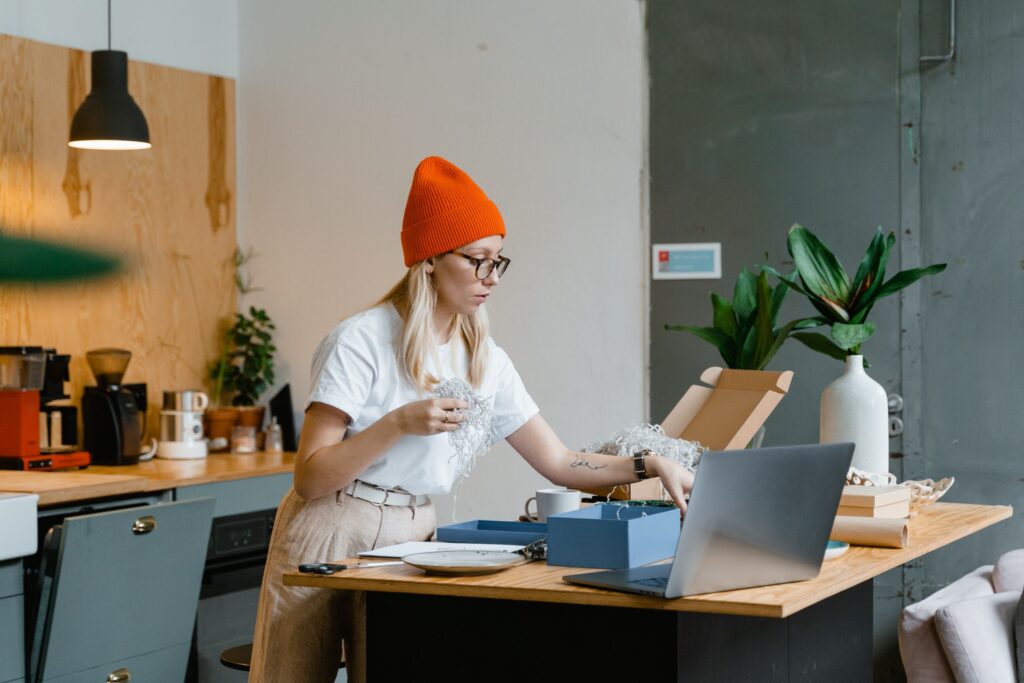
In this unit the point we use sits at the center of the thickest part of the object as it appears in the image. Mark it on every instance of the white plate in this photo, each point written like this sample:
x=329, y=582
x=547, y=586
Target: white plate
x=464, y=562
x=835, y=549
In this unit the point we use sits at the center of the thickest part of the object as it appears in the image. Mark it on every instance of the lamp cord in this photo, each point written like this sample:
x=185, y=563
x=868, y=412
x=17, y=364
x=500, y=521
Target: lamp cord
x=108, y=25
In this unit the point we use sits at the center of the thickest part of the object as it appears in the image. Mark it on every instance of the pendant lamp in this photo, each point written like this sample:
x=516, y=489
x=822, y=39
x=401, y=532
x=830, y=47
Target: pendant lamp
x=109, y=117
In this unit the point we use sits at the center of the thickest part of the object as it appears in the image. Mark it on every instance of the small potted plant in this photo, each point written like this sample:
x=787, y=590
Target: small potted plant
x=743, y=329
x=854, y=407
x=243, y=372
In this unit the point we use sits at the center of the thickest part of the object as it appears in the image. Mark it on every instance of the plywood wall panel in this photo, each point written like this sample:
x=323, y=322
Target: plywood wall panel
x=168, y=212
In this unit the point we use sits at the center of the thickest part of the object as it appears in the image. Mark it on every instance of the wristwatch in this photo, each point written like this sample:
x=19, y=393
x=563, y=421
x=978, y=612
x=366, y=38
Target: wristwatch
x=639, y=465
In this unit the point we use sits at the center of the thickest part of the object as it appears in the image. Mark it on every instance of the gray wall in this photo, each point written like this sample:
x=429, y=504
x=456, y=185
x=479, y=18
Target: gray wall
x=820, y=113
x=972, y=319
x=760, y=119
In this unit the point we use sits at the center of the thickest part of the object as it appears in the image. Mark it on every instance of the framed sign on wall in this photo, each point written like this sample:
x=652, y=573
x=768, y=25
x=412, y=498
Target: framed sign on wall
x=692, y=261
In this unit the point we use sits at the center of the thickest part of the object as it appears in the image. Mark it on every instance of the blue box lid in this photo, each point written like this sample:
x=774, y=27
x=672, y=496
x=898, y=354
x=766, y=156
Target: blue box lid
x=491, y=531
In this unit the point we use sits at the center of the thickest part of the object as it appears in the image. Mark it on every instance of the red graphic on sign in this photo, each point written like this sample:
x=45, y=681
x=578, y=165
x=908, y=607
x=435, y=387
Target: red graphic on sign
x=663, y=256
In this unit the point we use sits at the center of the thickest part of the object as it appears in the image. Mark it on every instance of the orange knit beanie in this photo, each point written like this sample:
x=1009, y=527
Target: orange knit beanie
x=445, y=210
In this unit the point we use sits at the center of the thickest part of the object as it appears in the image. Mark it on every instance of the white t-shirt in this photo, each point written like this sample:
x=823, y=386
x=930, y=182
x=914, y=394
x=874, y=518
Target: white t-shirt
x=355, y=369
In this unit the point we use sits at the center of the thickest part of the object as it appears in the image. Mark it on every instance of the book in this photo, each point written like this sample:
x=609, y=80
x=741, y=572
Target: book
x=874, y=496
x=899, y=510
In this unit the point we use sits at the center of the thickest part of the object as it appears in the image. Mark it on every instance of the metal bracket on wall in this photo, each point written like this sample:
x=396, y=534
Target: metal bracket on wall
x=952, y=39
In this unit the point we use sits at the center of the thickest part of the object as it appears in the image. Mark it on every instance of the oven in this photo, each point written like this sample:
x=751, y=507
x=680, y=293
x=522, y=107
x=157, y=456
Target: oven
x=226, y=615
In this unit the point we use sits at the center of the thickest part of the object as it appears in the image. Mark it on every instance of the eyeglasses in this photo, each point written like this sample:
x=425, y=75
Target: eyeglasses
x=484, y=266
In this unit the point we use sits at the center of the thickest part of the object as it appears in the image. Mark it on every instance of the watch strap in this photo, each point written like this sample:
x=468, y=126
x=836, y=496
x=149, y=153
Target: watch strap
x=640, y=464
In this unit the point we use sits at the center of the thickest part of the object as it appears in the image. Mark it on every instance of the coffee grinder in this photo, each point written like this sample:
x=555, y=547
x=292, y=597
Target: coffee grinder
x=22, y=379
x=113, y=414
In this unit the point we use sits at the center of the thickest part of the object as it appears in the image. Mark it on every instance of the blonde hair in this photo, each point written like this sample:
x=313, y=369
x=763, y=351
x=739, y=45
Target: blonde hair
x=415, y=298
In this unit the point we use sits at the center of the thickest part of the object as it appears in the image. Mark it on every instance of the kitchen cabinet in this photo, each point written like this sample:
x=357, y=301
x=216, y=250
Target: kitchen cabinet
x=120, y=590
x=241, y=486
x=12, y=623
x=241, y=495
x=155, y=666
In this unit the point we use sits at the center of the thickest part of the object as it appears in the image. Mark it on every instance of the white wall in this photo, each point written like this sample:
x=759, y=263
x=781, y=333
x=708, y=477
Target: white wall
x=201, y=35
x=541, y=102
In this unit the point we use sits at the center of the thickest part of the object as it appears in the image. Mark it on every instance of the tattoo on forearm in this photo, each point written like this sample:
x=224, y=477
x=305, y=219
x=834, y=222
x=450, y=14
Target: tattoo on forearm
x=580, y=461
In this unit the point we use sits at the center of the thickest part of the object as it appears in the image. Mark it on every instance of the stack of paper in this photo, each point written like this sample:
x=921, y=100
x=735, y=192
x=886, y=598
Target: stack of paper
x=413, y=547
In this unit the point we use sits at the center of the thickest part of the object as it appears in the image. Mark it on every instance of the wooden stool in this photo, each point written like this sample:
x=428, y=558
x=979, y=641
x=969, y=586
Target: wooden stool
x=239, y=657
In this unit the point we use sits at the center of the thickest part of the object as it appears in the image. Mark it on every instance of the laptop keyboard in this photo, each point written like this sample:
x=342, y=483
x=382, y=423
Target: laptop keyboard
x=653, y=582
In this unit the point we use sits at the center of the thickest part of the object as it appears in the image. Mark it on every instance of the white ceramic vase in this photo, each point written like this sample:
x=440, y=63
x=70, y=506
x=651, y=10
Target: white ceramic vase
x=855, y=408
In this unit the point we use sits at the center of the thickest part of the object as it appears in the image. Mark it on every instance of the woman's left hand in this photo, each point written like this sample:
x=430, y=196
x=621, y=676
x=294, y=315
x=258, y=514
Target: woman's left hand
x=676, y=479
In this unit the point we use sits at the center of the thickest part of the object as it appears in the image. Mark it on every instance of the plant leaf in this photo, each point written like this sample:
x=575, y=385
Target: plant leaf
x=724, y=316
x=24, y=259
x=820, y=343
x=790, y=280
x=748, y=350
x=725, y=345
x=804, y=323
x=781, y=335
x=907, y=277
x=850, y=337
x=778, y=296
x=871, y=272
x=744, y=297
x=821, y=272
x=764, y=321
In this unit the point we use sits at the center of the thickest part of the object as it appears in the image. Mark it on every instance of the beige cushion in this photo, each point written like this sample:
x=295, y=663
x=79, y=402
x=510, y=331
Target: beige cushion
x=977, y=636
x=1008, y=574
x=922, y=654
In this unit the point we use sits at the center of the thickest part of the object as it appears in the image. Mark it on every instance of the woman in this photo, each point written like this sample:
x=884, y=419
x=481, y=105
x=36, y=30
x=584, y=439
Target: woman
x=374, y=447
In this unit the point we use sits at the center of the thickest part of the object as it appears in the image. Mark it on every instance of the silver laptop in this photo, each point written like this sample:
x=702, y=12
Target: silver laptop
x=756, y=517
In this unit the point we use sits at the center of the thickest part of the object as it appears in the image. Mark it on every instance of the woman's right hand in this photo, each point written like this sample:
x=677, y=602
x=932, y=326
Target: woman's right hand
x=432, y=416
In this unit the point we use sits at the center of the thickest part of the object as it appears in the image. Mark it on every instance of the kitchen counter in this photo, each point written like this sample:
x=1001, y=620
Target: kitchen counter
x=101, y=481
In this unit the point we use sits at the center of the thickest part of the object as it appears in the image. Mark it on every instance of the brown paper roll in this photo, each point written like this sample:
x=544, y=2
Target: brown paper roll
x=871, y=531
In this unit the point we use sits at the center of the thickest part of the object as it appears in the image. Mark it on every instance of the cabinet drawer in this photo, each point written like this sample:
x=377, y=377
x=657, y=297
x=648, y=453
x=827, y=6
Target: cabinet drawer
x=12, y=639
x=240, y=495
x=153, y=667
x=125, y=583
x=11, y=579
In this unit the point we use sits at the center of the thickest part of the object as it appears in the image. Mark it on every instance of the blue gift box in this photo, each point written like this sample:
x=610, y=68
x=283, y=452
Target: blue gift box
x=487, y=531
x=612, y=536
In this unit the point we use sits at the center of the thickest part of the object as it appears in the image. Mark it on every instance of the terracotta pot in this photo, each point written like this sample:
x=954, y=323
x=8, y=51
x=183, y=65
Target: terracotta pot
x=251, y=416
x=218, y=423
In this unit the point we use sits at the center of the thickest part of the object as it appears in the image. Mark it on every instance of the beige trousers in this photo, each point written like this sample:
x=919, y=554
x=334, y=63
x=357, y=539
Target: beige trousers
x=299, y=631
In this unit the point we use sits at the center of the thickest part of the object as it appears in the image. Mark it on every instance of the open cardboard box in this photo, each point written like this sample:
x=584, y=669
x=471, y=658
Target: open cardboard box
x=724, y=415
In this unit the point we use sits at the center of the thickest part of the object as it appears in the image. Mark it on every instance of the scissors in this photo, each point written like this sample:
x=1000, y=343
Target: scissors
x=330, y=568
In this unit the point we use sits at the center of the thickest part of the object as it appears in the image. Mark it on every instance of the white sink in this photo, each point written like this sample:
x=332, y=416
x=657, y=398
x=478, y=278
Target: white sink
x=17, y=525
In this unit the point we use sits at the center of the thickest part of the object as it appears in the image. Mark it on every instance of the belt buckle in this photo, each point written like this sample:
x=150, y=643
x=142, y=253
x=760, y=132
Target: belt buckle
x=377, y=488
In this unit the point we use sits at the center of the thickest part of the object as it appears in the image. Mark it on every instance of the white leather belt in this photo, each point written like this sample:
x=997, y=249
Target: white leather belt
x=380, y=496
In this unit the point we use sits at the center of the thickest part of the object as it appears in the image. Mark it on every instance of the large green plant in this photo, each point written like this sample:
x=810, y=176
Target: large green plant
x=844, y=305
x=246, y=366
x=744, y=330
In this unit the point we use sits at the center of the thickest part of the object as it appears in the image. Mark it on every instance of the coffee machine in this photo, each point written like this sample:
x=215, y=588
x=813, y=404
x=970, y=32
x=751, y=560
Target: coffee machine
x=26, y=385
x=58, y=419
x=113, y=414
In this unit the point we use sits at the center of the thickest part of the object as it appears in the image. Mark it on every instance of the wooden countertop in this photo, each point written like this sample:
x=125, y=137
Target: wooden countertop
x=102, y=481
x=935, y=526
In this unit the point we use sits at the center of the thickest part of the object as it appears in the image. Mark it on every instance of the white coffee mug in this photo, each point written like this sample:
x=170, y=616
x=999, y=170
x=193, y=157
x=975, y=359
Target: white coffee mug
x=551, y=502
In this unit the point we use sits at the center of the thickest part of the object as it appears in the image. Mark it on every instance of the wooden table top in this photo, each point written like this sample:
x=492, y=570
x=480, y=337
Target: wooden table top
x=933, y=527
x=101, y=481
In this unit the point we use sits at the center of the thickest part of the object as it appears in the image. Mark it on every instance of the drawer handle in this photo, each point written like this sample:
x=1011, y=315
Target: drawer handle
x=119, y=676
x=143, y=525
